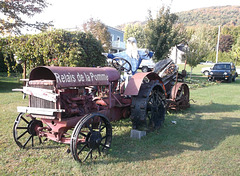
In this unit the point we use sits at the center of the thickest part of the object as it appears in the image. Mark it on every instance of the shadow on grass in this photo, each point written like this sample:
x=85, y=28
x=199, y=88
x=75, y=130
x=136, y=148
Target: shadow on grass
x=212, y=108
x=7, y=84
x=46, y=144
x=194, y=134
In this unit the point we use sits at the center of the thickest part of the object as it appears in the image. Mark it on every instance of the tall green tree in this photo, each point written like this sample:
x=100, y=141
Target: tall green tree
x=199, y=46
x=160, y=34
x=138, y=32
x=14, y=13
x=100, y=31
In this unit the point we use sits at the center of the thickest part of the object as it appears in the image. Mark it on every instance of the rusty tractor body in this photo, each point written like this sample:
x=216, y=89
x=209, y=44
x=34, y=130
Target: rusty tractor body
x=177, y=91
x=75, y=105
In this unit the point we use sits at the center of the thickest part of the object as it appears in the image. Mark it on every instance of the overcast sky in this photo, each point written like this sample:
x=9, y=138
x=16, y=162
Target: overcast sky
x=72, y=13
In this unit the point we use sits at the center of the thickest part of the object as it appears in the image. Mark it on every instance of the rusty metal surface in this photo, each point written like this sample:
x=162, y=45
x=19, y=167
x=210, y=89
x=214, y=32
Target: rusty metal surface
x=75, y=76
x=179, y=97
x=63, y=96
x=135, y=82
x=175, y=89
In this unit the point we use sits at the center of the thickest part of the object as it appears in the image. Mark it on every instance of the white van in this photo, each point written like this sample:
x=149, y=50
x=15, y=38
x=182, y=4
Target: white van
x=147, y=65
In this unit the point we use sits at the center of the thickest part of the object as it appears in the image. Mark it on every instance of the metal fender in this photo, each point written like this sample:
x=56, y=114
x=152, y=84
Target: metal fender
x=136, y=80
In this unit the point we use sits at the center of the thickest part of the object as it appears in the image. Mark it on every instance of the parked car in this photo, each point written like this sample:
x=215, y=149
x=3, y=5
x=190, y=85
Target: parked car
x=147, y=65
x=224, y=71
x=207, y=63
x=238, y=71
x=206, y=70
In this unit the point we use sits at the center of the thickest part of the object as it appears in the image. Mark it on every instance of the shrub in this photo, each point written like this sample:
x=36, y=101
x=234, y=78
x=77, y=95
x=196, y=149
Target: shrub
x=59, y=48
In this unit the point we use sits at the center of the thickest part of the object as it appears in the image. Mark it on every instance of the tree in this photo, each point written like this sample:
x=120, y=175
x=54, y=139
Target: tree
x=234, y=31
x=192, y=55
x=136, y=31
x=14, y=12
x=99, y=31
x=236, y=51
x=225, y=43
x=199, y=46
x=160, y=34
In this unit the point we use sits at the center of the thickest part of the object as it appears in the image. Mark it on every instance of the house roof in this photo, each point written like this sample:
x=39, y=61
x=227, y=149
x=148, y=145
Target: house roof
x=115, y=29
x=182, y=47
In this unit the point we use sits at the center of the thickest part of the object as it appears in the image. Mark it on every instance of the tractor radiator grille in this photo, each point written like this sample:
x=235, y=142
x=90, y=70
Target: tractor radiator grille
x=39, y=102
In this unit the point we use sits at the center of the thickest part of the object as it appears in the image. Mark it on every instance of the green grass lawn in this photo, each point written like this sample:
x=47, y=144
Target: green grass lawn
x=196, y=70
x=205, y=140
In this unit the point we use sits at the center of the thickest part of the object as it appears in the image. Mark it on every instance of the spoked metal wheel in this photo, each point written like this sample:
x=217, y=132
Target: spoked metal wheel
x=155, y=110
x=179, y=97
x=148, y=107
x=25, y=130
x=91, y=137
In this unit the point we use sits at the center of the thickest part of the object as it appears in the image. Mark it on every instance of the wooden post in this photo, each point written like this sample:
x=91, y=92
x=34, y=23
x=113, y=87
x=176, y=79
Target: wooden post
x=24, y=72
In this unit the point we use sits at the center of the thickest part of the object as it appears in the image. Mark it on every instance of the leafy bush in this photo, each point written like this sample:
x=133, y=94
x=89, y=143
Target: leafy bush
x=59, y=48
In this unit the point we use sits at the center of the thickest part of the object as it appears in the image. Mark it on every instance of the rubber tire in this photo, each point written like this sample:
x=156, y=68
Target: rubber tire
x=145, y=69
x=206, y=73
x=230, y=79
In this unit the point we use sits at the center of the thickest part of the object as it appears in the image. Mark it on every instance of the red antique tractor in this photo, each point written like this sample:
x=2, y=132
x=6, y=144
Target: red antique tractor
x=75, y=105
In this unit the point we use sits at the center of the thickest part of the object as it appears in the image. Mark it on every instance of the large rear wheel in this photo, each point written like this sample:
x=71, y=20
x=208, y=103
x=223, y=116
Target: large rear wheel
x=179, y=98
x=148, y=107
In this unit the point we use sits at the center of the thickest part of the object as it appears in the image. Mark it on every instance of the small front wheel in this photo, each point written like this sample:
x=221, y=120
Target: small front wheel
x=25, y=129
x=91, y=137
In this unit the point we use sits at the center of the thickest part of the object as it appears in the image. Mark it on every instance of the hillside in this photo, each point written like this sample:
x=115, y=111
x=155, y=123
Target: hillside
x=224, y=15
x=215, y=16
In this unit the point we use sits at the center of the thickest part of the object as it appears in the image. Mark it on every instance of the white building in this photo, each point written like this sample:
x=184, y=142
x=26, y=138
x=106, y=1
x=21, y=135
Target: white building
x=117, y=35
x=177, y=54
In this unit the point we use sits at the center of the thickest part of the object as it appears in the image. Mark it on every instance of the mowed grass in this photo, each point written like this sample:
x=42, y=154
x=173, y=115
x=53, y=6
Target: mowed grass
x=204, y=141
x=196, y=70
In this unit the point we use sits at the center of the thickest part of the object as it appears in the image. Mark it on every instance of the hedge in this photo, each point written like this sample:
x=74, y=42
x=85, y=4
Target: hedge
x=58, y=47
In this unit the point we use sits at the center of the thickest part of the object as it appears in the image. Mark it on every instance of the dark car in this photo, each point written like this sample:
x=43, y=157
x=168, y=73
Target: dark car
x=224, y=71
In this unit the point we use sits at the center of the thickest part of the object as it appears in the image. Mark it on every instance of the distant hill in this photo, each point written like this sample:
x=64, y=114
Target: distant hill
x=122, y=26
x=215, y=16
x=221, y=15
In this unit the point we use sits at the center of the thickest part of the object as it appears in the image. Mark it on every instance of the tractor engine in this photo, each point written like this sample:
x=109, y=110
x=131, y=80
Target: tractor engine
x=77, y=102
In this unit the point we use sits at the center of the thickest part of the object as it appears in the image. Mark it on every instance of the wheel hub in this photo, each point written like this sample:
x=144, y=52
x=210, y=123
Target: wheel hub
x=94, y=140
x=33, y=125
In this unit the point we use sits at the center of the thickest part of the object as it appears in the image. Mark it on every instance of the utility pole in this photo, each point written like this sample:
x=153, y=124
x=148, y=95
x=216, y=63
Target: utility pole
x=219, y=28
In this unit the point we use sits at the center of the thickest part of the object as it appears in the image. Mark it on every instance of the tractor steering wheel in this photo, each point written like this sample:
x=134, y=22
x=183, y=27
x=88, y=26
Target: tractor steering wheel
x=121, y=64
